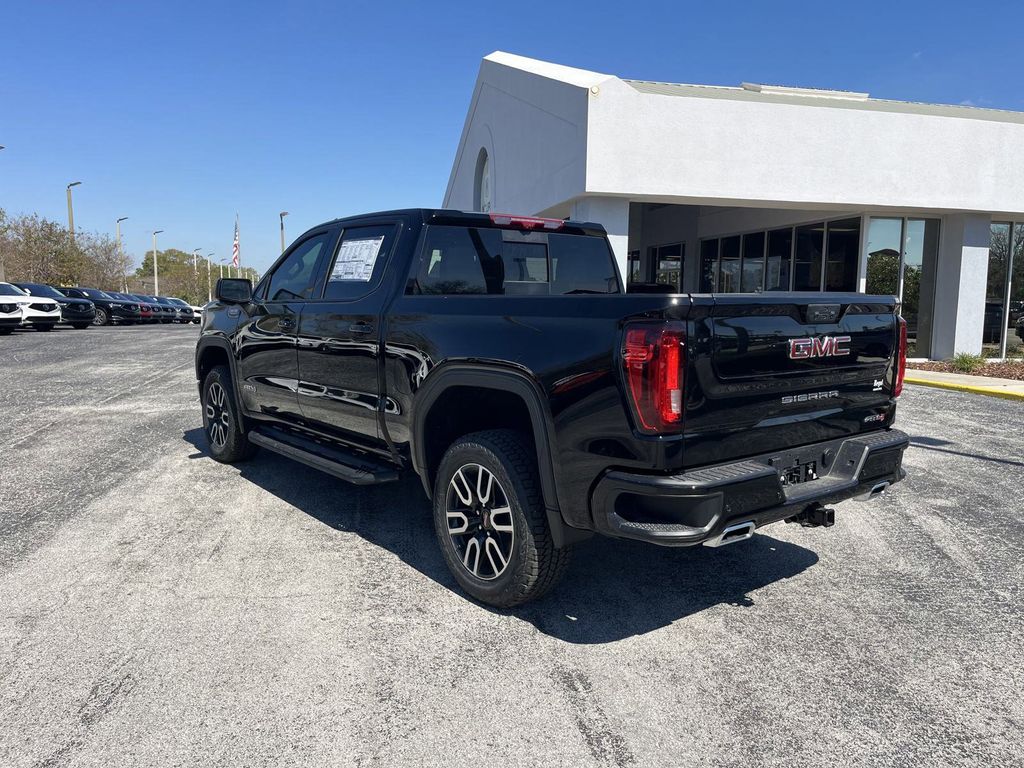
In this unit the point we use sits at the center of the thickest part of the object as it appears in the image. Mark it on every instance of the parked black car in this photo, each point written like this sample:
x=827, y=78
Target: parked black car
x=78, y=313
x=498, y=358
x=185, y=312
x=164, y=312
x=110, y=308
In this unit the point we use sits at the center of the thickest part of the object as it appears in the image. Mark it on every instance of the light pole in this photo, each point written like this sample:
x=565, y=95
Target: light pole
x=120, y=253
x=156, y=273
x=209, y=290
x=71, y=211
x=222, y=263
x=281, y=215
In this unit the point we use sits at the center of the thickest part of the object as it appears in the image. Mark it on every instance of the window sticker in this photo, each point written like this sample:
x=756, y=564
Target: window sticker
x=356, y=259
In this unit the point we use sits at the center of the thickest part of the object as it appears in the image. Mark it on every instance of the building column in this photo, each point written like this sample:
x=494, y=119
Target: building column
x=960, y=284
x=613, y=213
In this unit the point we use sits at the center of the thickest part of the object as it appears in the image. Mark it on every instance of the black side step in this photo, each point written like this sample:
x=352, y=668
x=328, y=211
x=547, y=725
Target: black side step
x=349, y=466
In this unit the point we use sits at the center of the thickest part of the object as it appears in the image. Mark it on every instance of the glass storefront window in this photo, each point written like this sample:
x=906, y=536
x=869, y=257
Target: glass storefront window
x=752, y=276
x=1015, y=310
x=780, y=252
x=995, y=290
x=708, y=265
x=668, y=265
x=917, y=284
x=729, y=259
x=810, y=246
x=883, y=247
x=841, y=262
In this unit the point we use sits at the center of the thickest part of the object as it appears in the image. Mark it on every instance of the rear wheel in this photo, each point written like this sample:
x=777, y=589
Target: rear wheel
x=223, y=424
x=490, y=520
x=101, y=318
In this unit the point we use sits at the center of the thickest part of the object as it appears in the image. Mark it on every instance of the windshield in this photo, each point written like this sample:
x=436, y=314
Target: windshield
x=6, y=289
x=92, y=293
x=41, y=290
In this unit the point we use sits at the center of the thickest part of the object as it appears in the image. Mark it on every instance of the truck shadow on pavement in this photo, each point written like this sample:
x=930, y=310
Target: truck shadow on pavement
x=614, y=589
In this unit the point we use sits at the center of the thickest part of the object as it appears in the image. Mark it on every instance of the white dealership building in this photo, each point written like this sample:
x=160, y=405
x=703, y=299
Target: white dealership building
x=763, y=187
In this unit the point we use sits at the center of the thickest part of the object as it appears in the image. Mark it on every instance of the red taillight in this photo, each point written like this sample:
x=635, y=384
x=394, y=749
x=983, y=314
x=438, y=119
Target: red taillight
x=901, y=361
x=526, y=222
x=652, y=364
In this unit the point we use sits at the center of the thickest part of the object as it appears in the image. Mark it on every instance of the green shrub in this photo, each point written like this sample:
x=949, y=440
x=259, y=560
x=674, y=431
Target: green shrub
x=965, y=362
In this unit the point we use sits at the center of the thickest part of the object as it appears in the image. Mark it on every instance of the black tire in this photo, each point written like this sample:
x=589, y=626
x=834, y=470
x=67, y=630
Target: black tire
x=6, y=331
x=80, y=326
x=222, y=423
x=533, y=564
x=44, y=326
x=102, y=317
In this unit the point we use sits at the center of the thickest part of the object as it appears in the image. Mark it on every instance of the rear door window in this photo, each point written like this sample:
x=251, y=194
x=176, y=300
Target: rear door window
x=359, y=261
x=470, y=260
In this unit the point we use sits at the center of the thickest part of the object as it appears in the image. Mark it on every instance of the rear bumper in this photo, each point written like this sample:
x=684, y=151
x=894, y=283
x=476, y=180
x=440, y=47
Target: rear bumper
x=696, y=506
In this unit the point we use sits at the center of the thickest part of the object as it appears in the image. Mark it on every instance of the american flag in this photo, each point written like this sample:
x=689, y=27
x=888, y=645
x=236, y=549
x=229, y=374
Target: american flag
x=234, y=247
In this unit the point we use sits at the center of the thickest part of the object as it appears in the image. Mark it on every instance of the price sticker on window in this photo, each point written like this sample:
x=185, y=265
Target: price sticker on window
x=356, y=259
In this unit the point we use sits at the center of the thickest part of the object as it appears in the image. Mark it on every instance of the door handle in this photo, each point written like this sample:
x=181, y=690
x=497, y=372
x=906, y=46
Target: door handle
x=360, y=328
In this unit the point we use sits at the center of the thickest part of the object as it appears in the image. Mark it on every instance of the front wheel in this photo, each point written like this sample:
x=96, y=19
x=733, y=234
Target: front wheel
x=101, y=318
x=221, y=420
x=490, y=520
x=44, y=326
x=80, y=326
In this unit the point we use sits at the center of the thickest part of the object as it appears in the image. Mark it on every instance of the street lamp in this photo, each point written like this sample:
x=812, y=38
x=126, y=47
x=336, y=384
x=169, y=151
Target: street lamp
x=281, y=215
x=209, y=290
x=120, y=252
x=71, y=211
x=156, y=273
x=222, y=263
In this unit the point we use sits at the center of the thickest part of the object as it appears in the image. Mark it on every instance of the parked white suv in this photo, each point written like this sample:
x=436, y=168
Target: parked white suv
x=39, y=311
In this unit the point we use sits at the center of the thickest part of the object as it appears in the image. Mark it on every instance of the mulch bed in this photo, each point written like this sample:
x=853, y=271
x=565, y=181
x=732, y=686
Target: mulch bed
x=1009, y=370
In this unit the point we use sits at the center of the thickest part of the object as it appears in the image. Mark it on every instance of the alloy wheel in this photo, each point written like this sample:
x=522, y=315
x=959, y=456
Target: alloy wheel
x=480, y=521
x=218, y=422
x=100, y=318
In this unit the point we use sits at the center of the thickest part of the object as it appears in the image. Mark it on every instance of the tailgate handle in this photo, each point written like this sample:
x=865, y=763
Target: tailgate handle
x=823, y=313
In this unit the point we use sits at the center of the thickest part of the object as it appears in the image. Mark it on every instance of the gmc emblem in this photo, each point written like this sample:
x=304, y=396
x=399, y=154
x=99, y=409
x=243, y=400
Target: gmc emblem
x=821, y=346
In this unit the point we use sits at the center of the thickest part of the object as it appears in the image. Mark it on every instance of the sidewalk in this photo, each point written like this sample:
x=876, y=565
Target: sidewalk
x=982, y=385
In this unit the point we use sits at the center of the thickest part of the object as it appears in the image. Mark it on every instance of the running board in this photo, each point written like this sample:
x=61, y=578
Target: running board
x=345, y=465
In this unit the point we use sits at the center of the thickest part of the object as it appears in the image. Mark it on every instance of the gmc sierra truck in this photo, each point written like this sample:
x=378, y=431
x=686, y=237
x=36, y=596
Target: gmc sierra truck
x=499, y=359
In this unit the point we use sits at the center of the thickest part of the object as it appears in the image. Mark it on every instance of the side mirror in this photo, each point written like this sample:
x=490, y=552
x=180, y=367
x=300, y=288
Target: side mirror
x=234, y=290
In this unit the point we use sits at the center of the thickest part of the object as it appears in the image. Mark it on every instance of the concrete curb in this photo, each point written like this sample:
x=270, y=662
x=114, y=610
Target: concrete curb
x=991, y=391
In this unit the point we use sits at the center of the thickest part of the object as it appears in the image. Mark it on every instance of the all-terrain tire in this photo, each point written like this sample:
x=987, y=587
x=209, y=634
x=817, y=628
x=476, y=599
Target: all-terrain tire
x=534, y=564
x=222, y=422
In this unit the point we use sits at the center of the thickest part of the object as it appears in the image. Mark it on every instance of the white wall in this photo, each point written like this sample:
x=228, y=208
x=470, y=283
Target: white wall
x=690, y=149
x=960, y=285
x=533, y=124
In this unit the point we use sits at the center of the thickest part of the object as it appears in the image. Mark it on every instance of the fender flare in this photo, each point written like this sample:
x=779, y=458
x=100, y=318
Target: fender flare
x=506, y=380
x=219, y=342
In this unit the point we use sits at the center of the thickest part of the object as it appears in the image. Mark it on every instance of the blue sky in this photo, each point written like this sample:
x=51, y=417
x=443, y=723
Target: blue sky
x=178, y=115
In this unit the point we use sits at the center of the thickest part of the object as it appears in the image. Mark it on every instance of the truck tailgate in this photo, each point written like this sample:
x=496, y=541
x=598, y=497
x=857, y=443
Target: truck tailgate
x=779, y=370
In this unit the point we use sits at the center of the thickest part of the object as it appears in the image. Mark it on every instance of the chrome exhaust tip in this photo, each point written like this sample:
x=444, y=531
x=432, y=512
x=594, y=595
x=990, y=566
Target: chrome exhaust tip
x=732, y=534
x=877, y=490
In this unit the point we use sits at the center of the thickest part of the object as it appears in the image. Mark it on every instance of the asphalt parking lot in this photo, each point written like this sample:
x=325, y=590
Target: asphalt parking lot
x=158, y=608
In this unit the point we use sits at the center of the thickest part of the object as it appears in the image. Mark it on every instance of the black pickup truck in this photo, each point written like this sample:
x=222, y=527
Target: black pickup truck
x=499, y=359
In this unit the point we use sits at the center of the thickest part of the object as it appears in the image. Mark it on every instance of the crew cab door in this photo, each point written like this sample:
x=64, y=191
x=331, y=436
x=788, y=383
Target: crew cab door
x=265, y=339
x=339, y=336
